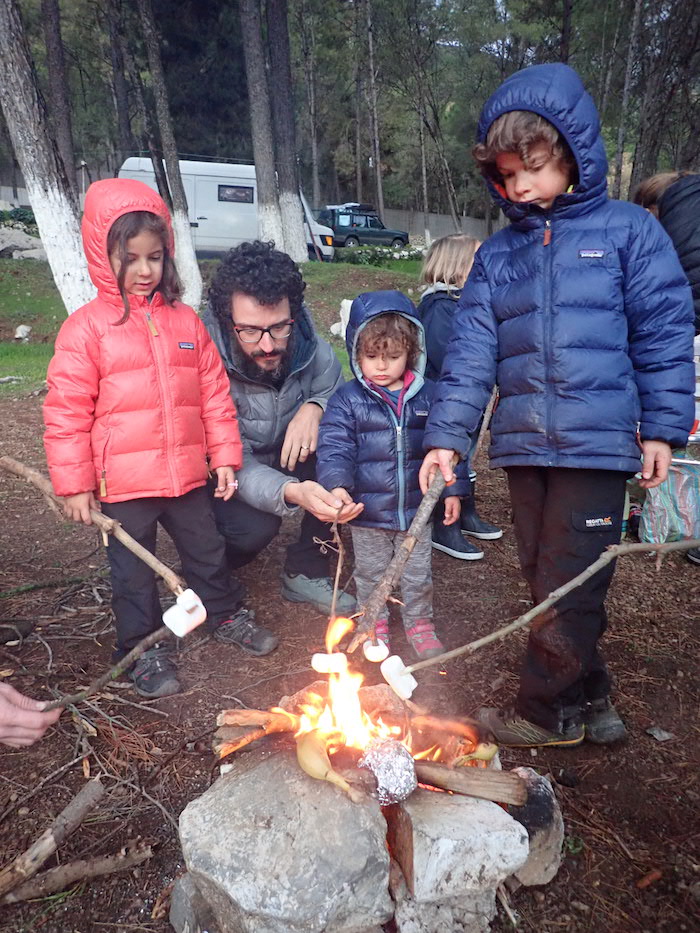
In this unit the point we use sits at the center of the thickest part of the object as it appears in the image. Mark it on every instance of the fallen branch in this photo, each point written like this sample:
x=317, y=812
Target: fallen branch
x=240, y=727
x=376, y=603
x=612, y=553
x=27, y=864
x=61, y=878
x=485, y=783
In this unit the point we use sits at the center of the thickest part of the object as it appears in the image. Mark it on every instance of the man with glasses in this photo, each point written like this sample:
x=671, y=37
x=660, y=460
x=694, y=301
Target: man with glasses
x=282, y=374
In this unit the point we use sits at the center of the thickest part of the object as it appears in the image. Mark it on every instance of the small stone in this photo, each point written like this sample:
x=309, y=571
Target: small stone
x=533, y=752
x=23, y=811
x=539, y=896
x=581, y=908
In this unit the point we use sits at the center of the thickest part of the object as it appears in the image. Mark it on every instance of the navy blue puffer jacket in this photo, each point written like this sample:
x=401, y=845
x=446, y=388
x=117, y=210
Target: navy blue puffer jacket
x=363, y=445
x=587, y=337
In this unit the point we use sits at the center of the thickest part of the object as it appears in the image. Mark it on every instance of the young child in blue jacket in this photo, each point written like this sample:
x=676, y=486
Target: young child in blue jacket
x=581, y=313
x=371, y=445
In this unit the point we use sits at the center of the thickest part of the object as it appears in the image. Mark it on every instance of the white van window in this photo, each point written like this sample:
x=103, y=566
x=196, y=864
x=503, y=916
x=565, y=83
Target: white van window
x=240, y=194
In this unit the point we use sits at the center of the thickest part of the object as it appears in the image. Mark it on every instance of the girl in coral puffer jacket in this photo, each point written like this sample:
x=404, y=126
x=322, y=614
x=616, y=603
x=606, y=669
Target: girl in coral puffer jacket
x=138, y=400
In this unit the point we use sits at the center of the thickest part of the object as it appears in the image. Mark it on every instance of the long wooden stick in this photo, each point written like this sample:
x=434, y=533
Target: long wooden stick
x=27, y=864
x=62, y=877
x=613, y=552
x=108, y=525
x=379, y=595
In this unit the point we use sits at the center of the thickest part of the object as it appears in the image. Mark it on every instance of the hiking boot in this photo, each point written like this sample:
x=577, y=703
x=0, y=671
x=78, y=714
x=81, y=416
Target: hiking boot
x=513, y=730
x=693, y=555
x=318, y=591
x=472, y=524
x=242, y=630
x=447, y=538
x=603, y=723
x=381, y=630
x=154, y=674
x=423, y=639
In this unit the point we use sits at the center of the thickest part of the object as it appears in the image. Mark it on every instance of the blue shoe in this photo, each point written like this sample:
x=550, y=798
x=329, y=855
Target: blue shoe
x=318, y=591
x=449, y=540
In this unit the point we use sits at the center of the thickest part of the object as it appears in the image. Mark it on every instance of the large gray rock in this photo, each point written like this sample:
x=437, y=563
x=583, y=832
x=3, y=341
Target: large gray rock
x=189, y=911
x=273, y=851
x=471, y=914
x=13, y=239
x=448, y=845
x=541, y=816
x=37, y=252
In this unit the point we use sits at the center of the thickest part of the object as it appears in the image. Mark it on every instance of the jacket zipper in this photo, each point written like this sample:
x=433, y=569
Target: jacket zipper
x=103, y=474
x=402, y=477
x=546, y=241
x=166, y=400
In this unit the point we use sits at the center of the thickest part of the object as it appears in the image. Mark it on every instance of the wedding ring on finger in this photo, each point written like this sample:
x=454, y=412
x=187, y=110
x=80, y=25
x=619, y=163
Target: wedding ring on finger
x=305, y=447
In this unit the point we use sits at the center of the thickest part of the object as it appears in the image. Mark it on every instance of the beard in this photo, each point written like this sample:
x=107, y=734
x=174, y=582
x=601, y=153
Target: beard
x=247, y=364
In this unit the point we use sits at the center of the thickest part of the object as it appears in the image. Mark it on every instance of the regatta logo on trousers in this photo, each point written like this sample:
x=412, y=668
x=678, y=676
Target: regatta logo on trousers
x=603, y=522
x=184, y=345
x=591, y=253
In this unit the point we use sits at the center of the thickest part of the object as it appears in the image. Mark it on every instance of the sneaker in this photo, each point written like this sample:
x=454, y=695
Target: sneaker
x=603, y=723
x=447, y=538
x=513, y=730
x=476, y=527
x=242, y=630
x=318, y=591
x=693, y=555
x=423, y=639
x=154, y=674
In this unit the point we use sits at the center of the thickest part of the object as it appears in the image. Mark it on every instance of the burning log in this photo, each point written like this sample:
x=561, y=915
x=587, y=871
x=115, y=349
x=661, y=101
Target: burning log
x=487, y=784
x=240, y=727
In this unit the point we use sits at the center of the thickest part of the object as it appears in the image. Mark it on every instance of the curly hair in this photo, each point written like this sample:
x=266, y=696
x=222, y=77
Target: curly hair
x=518, y=131
x=259, y=270
x=390, y=332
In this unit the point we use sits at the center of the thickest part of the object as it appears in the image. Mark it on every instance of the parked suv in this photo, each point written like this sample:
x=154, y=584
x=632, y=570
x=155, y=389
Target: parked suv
x=359, y=224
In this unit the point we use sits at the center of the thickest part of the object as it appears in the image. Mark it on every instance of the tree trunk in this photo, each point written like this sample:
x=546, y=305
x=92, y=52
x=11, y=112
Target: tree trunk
x=269, y=217
x=119, y=85
x=374, y=117
x=565, y=43
x=283, y=130
x=631, y=55
x=358, y=134
x=59, y=96
x=149, y=132
x=308, y=52
x=52, y=198
x=609, y=65
x=424, y=175
x=186, y=259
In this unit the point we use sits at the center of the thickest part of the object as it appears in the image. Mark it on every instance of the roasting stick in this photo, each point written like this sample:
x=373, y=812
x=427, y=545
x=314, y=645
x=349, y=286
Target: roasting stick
x=179, y=619
x=400, y=677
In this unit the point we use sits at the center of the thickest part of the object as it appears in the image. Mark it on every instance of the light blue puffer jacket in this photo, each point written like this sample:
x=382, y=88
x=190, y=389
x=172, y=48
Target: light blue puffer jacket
x=588, y=337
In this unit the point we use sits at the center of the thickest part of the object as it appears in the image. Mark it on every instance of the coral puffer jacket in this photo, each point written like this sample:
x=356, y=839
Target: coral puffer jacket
x=134, y=409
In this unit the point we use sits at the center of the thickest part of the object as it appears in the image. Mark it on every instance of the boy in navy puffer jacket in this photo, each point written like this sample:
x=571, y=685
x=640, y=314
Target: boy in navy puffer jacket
x=580, y=311
x=371, y=443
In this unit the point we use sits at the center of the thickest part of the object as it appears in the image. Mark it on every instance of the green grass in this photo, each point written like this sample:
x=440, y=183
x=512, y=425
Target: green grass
x=26, y=360
x=28, y=296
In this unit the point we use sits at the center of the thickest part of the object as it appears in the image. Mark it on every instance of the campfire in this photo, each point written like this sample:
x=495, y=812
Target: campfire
x=366, y=740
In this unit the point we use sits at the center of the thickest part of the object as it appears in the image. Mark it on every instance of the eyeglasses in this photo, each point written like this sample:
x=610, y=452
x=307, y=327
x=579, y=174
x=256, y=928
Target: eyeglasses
x=255, y=334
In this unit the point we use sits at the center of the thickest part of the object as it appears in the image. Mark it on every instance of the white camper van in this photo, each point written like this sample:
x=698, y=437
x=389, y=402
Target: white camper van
x=222, y=200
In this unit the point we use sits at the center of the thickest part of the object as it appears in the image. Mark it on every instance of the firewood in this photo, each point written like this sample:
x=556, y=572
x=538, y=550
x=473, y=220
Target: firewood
x=271, y=720
x=58, y=879
x=27, y=864
x=240, y=727
x=487, y=784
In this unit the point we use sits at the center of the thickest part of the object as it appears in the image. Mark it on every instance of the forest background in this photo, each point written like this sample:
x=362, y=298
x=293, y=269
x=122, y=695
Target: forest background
x=391, y=83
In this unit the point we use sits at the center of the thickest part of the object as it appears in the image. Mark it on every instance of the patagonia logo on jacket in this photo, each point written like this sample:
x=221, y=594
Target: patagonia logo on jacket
x=186, y=345
x=591, y=253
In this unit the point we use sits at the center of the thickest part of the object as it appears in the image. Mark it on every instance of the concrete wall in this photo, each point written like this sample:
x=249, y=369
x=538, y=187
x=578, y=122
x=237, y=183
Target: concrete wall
x=439, y=224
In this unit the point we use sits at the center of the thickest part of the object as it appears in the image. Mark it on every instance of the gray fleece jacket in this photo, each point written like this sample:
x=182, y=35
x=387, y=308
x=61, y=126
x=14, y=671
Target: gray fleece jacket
x=264, y=412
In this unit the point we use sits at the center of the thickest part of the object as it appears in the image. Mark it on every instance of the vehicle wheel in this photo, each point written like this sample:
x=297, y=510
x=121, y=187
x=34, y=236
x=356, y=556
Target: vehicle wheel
x=352, y=241
x=398, y=243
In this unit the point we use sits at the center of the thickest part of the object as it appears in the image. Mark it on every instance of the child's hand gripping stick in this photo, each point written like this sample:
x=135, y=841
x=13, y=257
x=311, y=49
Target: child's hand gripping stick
x=187, y=613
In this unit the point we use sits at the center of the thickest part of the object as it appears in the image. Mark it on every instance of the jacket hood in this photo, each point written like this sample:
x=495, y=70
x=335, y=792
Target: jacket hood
x=105, y=202
x=556, y=93
x=684, y=193
x=369, y=305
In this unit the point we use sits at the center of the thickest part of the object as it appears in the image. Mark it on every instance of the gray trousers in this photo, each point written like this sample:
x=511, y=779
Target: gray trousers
x=374, y=549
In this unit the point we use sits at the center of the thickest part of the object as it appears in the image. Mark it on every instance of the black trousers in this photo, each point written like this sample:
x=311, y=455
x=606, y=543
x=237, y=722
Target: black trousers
x=247, y=531
x=190, y=523
x=564, y=519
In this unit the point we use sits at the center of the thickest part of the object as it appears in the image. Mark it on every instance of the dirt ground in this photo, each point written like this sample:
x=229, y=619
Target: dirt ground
x=629, y=811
